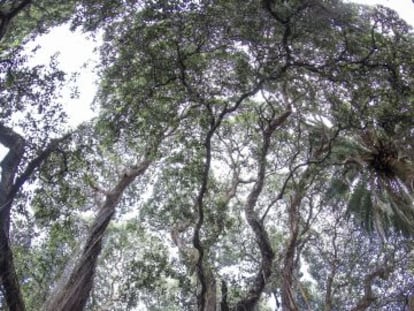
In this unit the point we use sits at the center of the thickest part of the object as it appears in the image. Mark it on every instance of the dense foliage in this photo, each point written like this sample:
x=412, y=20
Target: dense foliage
x=247, y=155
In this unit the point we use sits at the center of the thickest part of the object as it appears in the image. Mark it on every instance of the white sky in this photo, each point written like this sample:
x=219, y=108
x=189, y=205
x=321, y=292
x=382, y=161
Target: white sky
x=76, y=54
x=404, y=8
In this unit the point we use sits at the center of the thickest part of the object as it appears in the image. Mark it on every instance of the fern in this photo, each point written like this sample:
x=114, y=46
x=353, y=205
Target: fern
x=360, y=205
x=337, y=187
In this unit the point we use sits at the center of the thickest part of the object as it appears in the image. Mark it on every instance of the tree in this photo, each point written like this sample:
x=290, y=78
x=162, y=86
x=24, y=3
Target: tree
x=378, y=155
x=346, y=260
x=230, y=136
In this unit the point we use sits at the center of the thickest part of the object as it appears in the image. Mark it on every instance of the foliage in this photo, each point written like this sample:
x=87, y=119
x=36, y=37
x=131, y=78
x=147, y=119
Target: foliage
x=244, y=152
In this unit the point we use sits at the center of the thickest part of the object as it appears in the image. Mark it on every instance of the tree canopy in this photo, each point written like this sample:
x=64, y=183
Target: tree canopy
x=246, y=155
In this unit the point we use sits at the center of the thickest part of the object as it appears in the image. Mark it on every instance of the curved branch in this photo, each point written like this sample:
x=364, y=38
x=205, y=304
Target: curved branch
x=10, y=185
x=36, y=162
x=255, y=223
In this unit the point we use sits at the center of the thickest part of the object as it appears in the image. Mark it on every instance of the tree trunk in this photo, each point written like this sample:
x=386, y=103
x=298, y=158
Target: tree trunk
x=7, y=17
x=74, y=294
x=211, y=293
x=9, y=166
x=249, y=303
x=10, y=185
x=288, y=299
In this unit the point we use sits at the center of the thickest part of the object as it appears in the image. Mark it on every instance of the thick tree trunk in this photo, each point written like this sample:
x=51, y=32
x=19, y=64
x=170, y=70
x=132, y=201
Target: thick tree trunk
x=10, y=185
x=202, y=269
x=74, y=294
x=288, y=299
x=7, y=17
x=211, y=292
x=224, y=292
x=9, y=166
x=8, y=276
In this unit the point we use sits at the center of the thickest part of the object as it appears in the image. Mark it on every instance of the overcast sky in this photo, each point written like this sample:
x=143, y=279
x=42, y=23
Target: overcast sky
x=76, y=54
x=405, y=8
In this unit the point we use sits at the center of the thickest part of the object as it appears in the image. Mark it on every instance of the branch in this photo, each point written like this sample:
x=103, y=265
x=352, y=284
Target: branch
x=75, y=292
x=289, y=264
x=9, y=166
x=288, y=300
x=224, y=293
x=262, y=238
x=369, y=297
x=36, y=162
x=8, y=276
x=201, y=272
x=8, y=137
x=9, y=187
x=333, y=271
x=6, y=18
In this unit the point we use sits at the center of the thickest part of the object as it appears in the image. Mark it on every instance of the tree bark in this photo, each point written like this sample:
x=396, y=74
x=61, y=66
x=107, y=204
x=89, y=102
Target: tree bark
x=368, y=298
x=9, y=166
x=224, y=292
x=75, y=292
x=7, y=17
x=204, y=273
x=249, y=303
x=288, y=299
x=10, y=185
